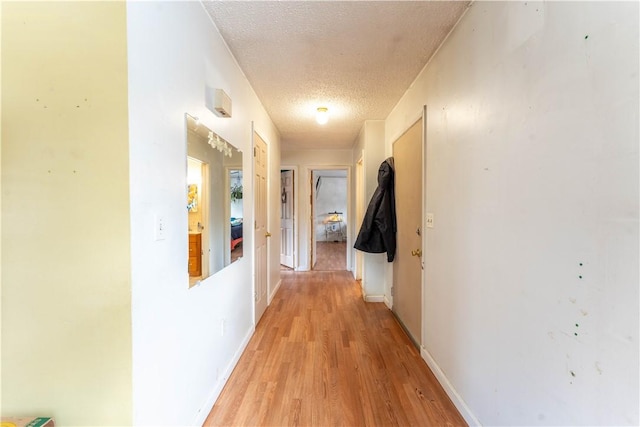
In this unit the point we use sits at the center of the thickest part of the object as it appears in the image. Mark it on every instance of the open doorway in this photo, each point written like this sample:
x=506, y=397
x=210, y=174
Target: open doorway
x=198, y=212
x=287, y=219
x=329, y=226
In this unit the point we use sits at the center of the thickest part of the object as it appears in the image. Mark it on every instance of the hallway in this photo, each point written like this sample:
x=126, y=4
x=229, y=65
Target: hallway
x=332, y=256
x=321, y=356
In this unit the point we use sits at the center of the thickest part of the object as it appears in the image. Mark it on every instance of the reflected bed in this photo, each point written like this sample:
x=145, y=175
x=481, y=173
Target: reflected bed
x=236, y=232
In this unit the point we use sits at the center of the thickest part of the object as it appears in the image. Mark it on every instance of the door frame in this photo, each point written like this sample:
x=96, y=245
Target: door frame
x=349, y=228
x=424, y=222
x=295, y=212
x=358, y=216
x=205, y=191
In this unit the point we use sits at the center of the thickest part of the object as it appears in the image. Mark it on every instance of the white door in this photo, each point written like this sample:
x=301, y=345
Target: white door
x=261, y=232
x=286, y=218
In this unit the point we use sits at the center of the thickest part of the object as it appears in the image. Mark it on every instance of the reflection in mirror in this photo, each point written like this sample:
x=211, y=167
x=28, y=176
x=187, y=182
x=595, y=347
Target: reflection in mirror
x=214, y=201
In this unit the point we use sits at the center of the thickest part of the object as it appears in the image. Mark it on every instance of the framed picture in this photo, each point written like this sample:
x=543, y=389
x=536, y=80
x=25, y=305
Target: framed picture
x=192, y=198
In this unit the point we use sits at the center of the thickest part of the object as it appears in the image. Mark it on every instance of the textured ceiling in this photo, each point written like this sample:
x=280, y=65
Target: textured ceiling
x=356, y=58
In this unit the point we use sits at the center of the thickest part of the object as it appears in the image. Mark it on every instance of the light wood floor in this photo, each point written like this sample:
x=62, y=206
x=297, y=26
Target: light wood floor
x=331, y=256
x=321, y=356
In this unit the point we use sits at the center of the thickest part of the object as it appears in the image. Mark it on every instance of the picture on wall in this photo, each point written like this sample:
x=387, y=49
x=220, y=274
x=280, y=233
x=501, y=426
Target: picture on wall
x=192, y=198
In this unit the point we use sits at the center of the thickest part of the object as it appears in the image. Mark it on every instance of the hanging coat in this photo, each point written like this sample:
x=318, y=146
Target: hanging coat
x=378, y=231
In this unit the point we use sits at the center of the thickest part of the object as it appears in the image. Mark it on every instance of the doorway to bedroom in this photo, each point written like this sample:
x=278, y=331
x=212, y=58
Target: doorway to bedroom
x=329, y=220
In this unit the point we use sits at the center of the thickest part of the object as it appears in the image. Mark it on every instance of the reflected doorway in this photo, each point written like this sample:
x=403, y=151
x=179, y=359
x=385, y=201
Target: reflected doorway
x=234, y=177
x=197, y=203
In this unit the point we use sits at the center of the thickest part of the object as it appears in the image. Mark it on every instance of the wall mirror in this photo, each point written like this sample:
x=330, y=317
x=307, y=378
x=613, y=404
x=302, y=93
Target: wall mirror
x=213, y=200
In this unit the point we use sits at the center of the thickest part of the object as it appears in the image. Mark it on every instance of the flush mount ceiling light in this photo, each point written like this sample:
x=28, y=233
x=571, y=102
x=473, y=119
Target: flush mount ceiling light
x=322, y=115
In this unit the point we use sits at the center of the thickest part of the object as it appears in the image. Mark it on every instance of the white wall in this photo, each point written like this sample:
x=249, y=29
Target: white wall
x=371, y=147
x=531, y=291
x=181, y=356
x=306, y=161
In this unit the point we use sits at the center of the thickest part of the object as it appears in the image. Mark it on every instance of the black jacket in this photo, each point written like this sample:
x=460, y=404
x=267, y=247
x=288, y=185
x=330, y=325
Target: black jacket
x=378, y=230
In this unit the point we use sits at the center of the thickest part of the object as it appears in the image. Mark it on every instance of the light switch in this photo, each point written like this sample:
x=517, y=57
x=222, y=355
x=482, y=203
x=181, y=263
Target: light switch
x=429, y=220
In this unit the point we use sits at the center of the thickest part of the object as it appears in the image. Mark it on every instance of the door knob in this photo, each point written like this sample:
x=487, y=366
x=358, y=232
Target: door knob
x=267, y=234
x=417, y=252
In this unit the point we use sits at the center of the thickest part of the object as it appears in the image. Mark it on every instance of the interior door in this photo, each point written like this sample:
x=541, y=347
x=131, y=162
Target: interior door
x=407, y=266
x=261, y=232
x=286, y=218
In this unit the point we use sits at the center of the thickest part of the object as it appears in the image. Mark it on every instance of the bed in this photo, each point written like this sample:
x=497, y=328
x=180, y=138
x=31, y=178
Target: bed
x=236, y=232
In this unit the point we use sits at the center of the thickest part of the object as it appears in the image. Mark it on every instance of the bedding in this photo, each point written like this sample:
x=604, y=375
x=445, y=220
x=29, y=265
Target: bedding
x=236, y=232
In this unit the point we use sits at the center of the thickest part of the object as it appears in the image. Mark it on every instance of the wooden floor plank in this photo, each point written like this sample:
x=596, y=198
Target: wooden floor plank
x=322, y=356
x=331, y=256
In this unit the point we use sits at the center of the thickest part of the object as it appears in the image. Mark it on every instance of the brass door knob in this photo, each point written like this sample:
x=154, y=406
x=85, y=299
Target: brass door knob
x=417, y=252
x=267, y=234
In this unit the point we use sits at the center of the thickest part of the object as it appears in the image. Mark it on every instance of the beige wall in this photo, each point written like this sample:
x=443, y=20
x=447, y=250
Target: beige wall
x=66, y=309
x=530, y=297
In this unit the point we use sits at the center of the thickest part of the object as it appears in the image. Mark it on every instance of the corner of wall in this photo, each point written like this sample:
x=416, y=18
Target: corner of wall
x=457, y=400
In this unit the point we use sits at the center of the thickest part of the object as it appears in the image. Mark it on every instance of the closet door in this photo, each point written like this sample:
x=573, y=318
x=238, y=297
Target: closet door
x=407, y=266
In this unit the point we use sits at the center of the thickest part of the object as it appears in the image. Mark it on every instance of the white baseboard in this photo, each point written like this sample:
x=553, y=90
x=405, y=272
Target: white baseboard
x=275, y=290
x=302, y=268
x=387, y=302
x=211, y=400
x=374, y=298
x=448, y=388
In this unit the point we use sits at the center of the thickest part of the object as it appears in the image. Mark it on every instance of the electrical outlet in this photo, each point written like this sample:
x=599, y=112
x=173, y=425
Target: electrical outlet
x=160, y=225
x=429, y=220
x=223, y=324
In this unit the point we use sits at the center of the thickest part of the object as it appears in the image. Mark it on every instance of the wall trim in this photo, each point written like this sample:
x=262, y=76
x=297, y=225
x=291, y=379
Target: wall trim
x=449, y=389
x=387, y=302
x=206, y=408
x=273, y=293
x=374, y=298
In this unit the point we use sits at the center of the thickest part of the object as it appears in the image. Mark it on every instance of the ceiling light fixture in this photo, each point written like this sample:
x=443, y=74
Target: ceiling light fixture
x=220, y=144
x=322, y=115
